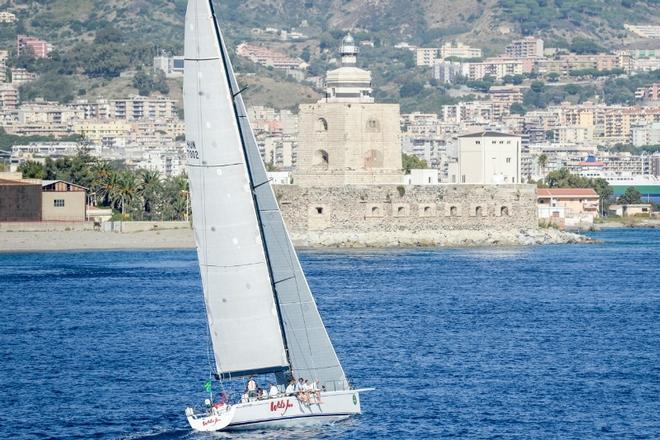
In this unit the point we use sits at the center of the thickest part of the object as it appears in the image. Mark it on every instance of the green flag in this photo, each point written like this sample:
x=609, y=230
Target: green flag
x=208, y=386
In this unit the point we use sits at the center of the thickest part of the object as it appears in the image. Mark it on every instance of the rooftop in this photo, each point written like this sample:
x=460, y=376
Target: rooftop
x=566, y=192
x=487, y=134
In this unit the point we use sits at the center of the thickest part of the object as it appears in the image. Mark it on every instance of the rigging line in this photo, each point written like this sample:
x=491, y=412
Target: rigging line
x=262, y=184
x=239, y=92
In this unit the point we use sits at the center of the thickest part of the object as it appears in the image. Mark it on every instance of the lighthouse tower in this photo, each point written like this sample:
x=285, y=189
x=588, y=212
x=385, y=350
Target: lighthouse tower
x=348, y=83
x=346, y=138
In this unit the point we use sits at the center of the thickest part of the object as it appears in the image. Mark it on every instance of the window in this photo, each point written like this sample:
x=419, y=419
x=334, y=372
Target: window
x=375, y=210
x=479, y=212
x=504, y=211
x=58, y=203
x=319, y=210
x=508, y=160
x=427, y=210
x=463, y=178
x=478, y=142
x=321, y=125
x=321, y=159
x=453, y=211
x=401, y=211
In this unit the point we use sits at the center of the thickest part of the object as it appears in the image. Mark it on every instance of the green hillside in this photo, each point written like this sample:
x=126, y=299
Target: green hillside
x=97, y=40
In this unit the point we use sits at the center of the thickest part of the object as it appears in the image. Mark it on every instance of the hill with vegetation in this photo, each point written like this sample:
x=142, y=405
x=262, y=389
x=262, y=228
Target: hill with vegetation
x=98, y=40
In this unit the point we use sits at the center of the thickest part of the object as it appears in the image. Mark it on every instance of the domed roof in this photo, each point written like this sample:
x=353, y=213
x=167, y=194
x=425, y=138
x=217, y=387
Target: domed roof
x=348, y=39
x=349, y=74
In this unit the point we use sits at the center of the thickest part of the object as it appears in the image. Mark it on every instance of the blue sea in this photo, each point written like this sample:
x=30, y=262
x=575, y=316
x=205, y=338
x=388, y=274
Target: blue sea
x=511, y=343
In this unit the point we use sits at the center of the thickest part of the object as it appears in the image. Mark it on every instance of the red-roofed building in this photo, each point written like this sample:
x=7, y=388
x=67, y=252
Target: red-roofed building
x=568, y=206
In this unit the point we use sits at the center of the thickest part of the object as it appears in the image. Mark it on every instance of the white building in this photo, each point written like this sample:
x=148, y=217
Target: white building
x=447, y=71
x=171, y=66
x=421, y=177
x=427, y=56
x=528, y=47
x=488, y=158
x=648, y=134
x=459, y=50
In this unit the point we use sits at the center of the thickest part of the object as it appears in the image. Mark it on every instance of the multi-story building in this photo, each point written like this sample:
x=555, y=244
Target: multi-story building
x=427, y=56
x=572, y=135
x=648, y=93
x=501, y=99
x=447, y=71
x=644, y=31
x=488, y=158
x=528, y=47
x=38, y=48
x=8, y=97
x=646, y=134
x=268, y=57
x=496, y=68
x=135, y=108
x=21, y=76
x=459, y=50
x=564, y=64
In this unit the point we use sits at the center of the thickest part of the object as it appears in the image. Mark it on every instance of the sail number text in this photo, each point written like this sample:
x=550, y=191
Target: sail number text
x=191, y=149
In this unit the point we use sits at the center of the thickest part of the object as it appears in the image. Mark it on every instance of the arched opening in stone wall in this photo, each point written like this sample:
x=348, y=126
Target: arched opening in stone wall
x=375, y=210
x=453, y=211
x=373, y=159
x=321, y=159
x=319, y=210
x=373, y=125
x=400, y=211
x=321, y=125
x=479, y=211
x=427, y=210
x=504, y=211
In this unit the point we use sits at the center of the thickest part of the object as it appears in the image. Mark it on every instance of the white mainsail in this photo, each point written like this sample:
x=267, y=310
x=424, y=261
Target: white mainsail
x=216, y=95
x=242, y=313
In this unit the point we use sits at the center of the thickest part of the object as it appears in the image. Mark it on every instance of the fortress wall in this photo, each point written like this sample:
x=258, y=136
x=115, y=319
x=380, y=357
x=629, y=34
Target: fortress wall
x=384, y=215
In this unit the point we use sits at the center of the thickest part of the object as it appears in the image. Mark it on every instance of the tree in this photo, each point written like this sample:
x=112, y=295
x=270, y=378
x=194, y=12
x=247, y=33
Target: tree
x=517, y=109
x=543, y=161
x=553, y=76
x=32, y=170
x=412, y=162
x=411, y=88
x=582, y=45
x=630, y=197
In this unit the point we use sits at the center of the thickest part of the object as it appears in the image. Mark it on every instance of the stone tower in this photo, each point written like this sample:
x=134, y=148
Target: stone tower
x=347, y=138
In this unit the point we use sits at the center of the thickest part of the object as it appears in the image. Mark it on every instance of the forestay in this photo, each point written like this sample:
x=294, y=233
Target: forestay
x=242, y=313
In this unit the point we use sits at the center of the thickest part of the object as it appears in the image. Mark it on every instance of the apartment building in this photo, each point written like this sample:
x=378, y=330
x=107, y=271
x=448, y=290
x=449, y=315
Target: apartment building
x=446, y=72
x=459, y=50
x=528, y=47
x=496, y=68
x=7, y=17
x=8, y=97
x=38, y=48
x=268, y=57
x=427, y=56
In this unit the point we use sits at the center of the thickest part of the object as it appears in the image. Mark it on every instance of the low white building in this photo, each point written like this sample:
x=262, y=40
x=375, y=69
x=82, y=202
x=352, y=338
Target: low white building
x=421, y=177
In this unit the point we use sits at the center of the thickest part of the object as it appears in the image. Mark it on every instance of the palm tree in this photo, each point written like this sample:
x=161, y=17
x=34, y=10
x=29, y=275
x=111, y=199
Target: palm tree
x=123, y=189
x=543, y=161
x=99, y=187
x=150, y=190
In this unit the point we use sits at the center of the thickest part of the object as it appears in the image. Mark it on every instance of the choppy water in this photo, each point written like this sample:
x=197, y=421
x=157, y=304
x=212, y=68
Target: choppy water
x=543, y=342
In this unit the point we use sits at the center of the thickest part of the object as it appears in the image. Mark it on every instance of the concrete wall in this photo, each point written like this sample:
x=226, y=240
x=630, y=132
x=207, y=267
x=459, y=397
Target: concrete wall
x=72, y=211
x=20, y=202
x=403, y=213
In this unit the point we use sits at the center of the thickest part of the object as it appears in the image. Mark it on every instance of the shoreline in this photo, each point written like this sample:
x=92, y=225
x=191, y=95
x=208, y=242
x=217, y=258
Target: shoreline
x=53, y=241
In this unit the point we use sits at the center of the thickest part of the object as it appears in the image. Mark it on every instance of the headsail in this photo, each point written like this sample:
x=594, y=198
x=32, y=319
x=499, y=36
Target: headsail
x=310, y=352
x=243, y=317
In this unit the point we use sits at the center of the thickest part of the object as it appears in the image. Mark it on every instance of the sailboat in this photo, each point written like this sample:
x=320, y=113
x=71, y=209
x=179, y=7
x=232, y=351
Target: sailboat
x=262, y=318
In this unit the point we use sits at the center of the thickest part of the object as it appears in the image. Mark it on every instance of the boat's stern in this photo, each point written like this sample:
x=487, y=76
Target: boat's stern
x=217, y=420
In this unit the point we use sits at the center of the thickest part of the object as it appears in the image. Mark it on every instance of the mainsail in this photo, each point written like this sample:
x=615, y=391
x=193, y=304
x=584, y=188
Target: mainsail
x=211, y=90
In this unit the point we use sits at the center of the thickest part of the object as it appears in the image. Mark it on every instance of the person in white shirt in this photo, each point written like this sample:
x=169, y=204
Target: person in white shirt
x=274, y=391
x=252, y=388
x=291, y=388
x=316, y=391
x=300, y=389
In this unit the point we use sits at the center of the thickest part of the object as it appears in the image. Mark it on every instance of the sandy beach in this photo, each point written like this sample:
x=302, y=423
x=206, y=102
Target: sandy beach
x=27, y=241
x=91, y=240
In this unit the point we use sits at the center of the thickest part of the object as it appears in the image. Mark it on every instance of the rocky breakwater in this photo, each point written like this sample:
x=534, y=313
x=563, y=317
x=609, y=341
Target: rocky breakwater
x=456, y=238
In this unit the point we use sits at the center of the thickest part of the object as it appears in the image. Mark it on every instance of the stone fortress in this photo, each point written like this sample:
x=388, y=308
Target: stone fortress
x=348, y=187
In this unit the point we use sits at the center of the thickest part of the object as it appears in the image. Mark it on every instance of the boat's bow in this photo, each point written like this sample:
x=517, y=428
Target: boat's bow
x=217, y=420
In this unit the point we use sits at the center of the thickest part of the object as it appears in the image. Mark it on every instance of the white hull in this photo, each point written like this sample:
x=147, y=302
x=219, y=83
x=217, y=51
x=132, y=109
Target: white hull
x=280, y=412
